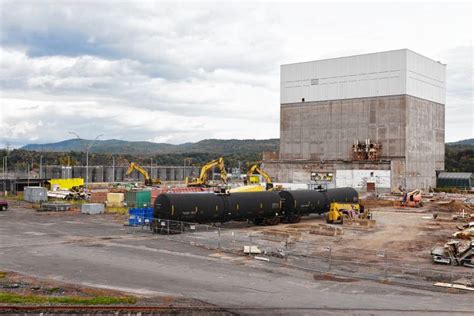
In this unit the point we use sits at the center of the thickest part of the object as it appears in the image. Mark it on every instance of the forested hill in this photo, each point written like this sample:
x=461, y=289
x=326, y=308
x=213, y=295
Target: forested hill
x=114, y=146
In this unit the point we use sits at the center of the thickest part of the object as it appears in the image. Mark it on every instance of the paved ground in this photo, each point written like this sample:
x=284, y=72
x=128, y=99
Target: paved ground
x=98, y=251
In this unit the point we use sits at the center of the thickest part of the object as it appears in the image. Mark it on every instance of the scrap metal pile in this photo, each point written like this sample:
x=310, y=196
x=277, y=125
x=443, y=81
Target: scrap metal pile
x=459, y=250
x=75, y=193
x=366, y=150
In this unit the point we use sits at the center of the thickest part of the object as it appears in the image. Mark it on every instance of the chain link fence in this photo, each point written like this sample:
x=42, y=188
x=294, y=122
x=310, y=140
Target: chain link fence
x=286, y=251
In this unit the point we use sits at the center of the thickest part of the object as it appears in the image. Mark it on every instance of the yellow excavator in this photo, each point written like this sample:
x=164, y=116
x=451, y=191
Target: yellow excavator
x=148, y=180
x=252, y=179
x=202, y=181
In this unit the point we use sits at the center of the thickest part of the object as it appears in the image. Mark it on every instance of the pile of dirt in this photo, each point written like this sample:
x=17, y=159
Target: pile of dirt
x=378, y=203
x=451, y=206
x=331, y=277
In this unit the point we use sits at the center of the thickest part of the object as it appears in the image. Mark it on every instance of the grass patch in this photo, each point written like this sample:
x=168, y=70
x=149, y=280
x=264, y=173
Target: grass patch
x=12, y=298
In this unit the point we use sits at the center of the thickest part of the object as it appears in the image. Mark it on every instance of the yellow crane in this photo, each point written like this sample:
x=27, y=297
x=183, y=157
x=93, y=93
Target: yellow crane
x=148, y=180
x=256, y=168
x=203, y=176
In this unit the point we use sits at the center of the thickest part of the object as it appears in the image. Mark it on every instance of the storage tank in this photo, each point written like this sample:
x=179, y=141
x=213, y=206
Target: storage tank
x=303, y=202
x=190, y=207
x=342, y=195
x=255, y=206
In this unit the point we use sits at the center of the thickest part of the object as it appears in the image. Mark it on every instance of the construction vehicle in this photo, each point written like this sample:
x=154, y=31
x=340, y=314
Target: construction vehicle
x=452, y=253
x=148, y=180
x=252, y=179
x=340, y=212
x=202, y=181
x=412, y=199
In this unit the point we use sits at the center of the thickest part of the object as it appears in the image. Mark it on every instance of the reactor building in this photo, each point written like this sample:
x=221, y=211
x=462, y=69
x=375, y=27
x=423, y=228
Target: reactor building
x=372, y=120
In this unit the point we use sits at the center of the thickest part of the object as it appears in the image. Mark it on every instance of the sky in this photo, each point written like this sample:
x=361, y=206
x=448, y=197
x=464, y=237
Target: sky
x=180, y=72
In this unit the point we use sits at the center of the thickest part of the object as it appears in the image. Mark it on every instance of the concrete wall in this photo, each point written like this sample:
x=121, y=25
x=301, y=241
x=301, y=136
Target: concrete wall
x=358, y=179
x=425, y=142
x=410, y=130
x=326, y=130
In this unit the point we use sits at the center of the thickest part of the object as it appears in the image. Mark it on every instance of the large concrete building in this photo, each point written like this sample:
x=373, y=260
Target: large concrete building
x=375, y=118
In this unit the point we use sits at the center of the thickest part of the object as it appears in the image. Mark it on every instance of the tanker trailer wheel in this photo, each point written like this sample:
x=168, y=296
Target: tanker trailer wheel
x=293, y=218
x=271, y=221
x=258, y=221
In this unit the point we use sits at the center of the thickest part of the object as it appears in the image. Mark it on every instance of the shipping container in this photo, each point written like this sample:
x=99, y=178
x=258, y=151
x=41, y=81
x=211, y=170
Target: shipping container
x=92, y=208
x=35, y=194
x=138, y=198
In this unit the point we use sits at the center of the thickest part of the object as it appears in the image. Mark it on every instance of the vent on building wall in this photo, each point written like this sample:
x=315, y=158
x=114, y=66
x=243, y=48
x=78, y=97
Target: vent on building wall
x=314, y=82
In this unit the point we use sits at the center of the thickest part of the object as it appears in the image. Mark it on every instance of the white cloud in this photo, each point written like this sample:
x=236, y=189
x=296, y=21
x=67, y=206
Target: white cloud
x=180, y=72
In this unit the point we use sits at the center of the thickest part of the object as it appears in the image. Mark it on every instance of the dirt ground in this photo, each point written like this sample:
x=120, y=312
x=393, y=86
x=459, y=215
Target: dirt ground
x=403, y=234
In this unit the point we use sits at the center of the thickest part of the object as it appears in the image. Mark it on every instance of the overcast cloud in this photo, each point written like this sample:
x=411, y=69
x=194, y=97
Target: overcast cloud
x=185, y=72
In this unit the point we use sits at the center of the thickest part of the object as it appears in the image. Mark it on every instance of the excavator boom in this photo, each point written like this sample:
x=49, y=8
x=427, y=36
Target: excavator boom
x=203, y=176
x=257, y=169
x=148, y=180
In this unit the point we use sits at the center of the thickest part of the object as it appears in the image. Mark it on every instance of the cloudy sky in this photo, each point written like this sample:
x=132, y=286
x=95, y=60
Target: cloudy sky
x=178, y=72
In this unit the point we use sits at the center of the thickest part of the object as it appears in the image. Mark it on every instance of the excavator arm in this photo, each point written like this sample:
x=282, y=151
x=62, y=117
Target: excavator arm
x=203, y=176
x=148, y=180
x=257, y=169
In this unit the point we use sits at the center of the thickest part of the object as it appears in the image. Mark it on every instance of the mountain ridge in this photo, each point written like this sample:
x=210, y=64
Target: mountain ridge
x=115, y=146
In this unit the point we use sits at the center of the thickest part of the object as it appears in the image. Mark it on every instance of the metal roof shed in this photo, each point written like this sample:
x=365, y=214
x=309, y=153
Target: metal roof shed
x=455, y=179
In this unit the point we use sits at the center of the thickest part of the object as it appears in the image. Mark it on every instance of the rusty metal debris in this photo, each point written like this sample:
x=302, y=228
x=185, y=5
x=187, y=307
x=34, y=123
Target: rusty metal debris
x=454, y=253
x=366, y=150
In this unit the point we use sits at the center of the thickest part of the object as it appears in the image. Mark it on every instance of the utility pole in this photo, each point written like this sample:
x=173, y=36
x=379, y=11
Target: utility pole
x=88, y=147
x=151, y=168
x=113, y=168
x=41, y=167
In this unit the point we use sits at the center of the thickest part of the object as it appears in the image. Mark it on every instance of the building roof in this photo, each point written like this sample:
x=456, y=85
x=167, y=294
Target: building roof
x=455, y=175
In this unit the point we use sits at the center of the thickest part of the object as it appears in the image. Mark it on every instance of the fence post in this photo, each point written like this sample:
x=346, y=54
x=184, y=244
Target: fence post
x=219, y=238
x=451, y=275
x=330, y=259
x=250, y=246
x=168, y=227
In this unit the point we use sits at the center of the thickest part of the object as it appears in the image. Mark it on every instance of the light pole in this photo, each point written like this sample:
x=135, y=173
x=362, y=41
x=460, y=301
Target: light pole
x=88, y=147
x=188, y=160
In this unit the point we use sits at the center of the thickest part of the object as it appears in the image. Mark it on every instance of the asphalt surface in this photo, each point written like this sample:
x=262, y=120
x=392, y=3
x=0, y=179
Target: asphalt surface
x=99, y=251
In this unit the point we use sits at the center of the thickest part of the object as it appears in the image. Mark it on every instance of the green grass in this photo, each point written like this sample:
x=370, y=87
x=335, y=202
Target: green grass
x=12, y=298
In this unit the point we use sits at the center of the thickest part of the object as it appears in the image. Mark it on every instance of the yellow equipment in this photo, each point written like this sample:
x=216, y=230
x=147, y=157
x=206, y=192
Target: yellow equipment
x=66, y=183
x=338, y=212
x=203, y=176
x=247, y=188
x=254, y=179
x=148, y=180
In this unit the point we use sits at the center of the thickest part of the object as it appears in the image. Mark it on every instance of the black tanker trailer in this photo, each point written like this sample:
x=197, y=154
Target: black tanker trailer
x=267, y=208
